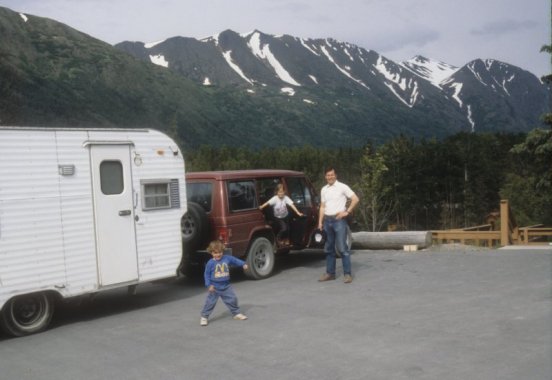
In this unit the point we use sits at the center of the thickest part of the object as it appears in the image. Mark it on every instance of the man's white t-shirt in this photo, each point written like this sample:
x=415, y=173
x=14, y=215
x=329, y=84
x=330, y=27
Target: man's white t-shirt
x=335, y=197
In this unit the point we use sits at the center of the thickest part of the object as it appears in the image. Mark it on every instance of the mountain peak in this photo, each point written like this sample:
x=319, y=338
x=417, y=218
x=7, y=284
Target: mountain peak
x=419, y=58
x=430, y=69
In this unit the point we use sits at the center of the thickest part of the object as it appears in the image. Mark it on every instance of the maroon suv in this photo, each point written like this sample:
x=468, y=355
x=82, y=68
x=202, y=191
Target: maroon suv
x=225, y=205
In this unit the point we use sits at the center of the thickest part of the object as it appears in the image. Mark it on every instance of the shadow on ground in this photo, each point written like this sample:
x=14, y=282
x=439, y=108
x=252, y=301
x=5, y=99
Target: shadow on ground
x=116, y=301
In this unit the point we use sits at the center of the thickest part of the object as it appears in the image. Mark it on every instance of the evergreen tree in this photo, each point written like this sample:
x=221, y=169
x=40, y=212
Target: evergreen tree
x=375, y=207
x=529, y=187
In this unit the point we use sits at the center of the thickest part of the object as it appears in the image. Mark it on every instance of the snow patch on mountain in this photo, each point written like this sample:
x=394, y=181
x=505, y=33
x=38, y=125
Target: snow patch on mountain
x=264, y=53
x=149, y=45
x=328, y=55
x=228, y=57
x=313, y=78
x=406, y=85
x=288, y=90
x=303, y=42
x=506, y=81
x=471, y=67
x=24, y=17
x=470, y=118
x=159, y=60
x=246, y=35
x=214, y=39
x=457, y=87
x=349, y=54
x=492, y=67
x=433, y=71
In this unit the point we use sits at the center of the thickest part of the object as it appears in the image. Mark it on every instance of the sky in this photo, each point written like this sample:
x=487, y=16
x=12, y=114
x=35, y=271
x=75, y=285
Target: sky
x=453, y=31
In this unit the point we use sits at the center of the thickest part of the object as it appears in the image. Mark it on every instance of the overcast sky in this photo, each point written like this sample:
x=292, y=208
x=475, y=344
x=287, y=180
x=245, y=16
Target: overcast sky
x=452, y=31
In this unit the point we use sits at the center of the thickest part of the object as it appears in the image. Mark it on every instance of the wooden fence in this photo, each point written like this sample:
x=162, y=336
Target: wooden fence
x=508, y=234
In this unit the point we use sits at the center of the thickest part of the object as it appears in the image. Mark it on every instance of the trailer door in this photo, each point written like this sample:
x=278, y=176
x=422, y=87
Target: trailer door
x=114, y=214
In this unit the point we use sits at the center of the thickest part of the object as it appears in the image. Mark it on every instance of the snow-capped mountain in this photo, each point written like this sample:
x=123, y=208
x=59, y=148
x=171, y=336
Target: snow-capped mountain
x=492, y=90
x=316, y=72
x=309, y=68
x=252, y=89
x=257, y=59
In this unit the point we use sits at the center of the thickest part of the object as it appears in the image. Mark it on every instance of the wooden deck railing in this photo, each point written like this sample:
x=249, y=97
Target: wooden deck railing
x=509, y=233
x=534, y=235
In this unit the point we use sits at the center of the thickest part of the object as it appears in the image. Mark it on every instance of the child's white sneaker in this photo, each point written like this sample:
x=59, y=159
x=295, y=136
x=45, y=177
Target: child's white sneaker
x=240, y=317
x=203, y=321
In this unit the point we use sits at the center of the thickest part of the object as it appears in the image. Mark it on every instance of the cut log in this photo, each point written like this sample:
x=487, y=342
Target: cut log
x=391, y=240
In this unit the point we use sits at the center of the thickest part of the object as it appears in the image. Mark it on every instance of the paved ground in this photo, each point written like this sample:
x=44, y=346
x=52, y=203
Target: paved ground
x=439, y=314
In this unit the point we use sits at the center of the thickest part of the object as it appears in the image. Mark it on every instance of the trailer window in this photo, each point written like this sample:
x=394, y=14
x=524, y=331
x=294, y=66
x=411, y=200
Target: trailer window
x=111, y=177
x=156, y=196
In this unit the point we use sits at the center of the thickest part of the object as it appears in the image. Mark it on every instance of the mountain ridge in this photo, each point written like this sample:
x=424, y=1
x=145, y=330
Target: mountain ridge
x=252, y=90
x=405, y=82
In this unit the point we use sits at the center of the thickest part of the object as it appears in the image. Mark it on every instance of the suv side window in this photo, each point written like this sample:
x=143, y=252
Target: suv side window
x=299, y=191
x=241, y=195
x=200, y=193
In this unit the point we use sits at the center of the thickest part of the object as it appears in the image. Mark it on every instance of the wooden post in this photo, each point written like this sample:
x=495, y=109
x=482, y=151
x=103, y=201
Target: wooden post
x=504, y=222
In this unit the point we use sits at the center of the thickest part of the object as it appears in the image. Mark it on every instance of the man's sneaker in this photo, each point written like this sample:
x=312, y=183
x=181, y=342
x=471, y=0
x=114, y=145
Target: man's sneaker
x=203, y=321
x=326, y=277
x=240, y=317
x=348, y=279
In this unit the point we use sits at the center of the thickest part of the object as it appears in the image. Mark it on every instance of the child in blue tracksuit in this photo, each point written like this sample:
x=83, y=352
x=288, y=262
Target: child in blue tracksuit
x=217, y=282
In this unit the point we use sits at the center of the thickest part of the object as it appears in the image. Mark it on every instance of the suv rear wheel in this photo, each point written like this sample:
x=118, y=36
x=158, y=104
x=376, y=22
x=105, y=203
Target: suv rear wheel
x=260, y=259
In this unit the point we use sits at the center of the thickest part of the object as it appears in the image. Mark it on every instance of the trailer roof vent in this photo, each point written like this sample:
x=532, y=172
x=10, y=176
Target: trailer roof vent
x=66, y=169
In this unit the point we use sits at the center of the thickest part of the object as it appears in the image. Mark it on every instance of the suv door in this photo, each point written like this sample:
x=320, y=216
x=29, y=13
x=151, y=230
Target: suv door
x=302, y=194
x=243, y=213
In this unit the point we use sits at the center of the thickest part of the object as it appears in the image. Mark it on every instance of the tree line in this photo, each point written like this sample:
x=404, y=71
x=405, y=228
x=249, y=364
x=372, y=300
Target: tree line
x=419, y=185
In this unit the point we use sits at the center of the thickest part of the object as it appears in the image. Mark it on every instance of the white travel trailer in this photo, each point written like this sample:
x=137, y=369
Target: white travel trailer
x=81, y=211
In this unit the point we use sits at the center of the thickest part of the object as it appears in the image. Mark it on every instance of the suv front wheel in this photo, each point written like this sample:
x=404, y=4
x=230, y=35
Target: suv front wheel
x=260, y=259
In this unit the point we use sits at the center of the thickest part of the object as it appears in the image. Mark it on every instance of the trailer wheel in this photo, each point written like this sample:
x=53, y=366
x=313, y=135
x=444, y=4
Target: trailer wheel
x=194, y=226
x=260, y=259
x=27, y=314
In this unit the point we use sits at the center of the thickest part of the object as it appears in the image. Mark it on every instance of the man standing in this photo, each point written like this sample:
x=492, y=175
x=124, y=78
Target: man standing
x=332, y=218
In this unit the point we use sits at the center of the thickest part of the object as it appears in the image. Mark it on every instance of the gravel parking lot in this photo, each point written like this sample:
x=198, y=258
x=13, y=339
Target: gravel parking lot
x=445, y=313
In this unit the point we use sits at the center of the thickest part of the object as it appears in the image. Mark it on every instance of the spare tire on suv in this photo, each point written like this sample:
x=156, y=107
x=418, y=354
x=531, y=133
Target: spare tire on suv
x=195, y=233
